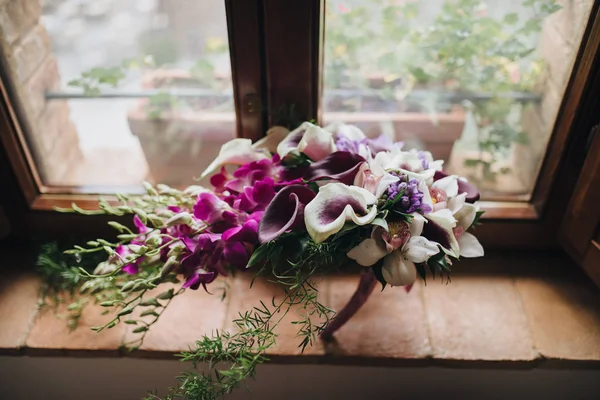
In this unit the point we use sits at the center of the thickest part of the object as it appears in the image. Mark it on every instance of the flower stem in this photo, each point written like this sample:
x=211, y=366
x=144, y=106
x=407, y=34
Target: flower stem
x=365, y=287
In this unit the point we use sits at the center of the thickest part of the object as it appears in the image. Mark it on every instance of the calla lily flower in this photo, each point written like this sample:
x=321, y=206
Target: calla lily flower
x=274, y=136
x=237, y=152
x=334, y=205
x=285, y=212
x=312, y=140
x=340, y=166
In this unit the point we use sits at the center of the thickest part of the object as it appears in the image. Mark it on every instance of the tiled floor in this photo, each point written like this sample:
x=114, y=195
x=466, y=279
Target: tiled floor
x=505, y=308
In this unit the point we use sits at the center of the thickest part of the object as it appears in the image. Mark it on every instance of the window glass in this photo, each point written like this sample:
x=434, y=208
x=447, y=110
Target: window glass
x=477, y=83
x=116, y=92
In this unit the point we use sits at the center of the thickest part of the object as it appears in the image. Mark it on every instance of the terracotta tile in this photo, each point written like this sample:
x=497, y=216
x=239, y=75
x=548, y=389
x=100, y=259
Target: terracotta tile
x=191, y=315
x=244, y=299
x=563, y=310
x=477, y=317
x=391, y=324
x=18, y=306
x=50, y=332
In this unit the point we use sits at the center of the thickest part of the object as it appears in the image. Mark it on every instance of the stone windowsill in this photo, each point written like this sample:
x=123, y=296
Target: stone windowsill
x=520, y=309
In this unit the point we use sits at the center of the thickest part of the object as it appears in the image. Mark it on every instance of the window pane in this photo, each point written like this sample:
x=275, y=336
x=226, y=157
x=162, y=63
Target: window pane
x=120, y=91
x=478, y=83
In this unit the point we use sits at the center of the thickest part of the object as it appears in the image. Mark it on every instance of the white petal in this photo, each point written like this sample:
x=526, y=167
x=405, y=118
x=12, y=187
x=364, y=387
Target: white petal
x=384, y=183
x=316, y=143
x=397, y=271
x=456, y=203
x=446, y=221
x=367, y=253
x=237, y=151
x=350, y=131
x=416, y=225
x=470, y=246
x=423, y=188
x=425, y=176
x=335, y=195
x=290, y=142
x=448, y=184
x=274, y=136
x=419, y=249
x=466, y=215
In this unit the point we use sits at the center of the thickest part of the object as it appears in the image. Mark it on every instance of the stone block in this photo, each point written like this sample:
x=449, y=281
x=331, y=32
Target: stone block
x=17, y=16
x=30, y=52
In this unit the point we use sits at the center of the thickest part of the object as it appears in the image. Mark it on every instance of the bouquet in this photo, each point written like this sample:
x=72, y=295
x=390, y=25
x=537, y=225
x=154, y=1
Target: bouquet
x=290, y=206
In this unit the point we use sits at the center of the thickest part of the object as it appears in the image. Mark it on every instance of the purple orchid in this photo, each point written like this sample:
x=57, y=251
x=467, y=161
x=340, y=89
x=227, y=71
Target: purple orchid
x=286, y=212
x=340, y=166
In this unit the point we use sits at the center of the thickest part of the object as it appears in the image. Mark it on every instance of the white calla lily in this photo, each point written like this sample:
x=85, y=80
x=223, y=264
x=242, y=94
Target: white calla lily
x=317, y=143
x=334, y=205
x=310, y=139
x=274, y=136
x=351, y=132
x=237, y=152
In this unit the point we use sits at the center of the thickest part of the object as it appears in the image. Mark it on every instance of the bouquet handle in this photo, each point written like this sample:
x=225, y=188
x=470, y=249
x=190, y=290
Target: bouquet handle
x=367, y=283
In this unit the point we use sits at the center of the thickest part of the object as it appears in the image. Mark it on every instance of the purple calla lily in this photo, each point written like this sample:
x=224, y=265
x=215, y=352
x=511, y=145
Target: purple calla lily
x=285, y=212
x=463, y=187
x=341, y=166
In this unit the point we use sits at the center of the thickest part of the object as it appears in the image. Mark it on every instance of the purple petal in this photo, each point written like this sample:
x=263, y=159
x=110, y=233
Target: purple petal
x=436, y=233
x=236, y=254
x=472, y=192
x=209, y=207
x=263, y=191
x=139, y=224
x=340, y=166
x=285, y=212
x=248, y=232
x=131, y=269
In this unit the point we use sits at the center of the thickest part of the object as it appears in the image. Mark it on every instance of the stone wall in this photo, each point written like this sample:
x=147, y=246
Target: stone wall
x=25, y=45
x=559, y=42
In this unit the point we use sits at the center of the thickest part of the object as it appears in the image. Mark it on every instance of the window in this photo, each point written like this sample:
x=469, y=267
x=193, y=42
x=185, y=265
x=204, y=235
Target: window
x=478, y=83
x=118, y=92
x=497, y=89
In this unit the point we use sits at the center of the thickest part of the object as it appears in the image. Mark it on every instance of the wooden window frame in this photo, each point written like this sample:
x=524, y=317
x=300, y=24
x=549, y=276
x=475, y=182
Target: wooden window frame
x=277, y=56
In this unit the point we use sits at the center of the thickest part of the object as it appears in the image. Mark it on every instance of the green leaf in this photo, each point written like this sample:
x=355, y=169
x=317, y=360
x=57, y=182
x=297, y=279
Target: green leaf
x=259, y=254
x=377, y=270
x=478, y=215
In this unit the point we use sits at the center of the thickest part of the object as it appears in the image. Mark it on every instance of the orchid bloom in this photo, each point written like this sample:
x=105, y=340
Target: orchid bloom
x=334, y=205
x=373, y=183
x=312, y=140
x=400, y=247
x=465, y=213
x=237, y=152
x=452, y=216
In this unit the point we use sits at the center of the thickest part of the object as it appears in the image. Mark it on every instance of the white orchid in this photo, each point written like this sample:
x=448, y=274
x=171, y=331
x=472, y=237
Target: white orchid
x=400, y=247
x=465, y=214
x=375, y=184
x=334, y=205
